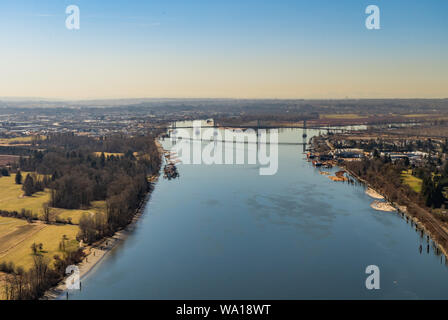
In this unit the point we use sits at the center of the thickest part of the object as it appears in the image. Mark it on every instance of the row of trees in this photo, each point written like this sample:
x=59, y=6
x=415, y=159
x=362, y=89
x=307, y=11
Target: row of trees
x=386, y=177
x=21, y=284
x=33, y=183
x=22, y=214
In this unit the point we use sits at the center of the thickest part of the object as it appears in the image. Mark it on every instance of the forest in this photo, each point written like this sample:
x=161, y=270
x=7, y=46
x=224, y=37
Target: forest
x=80, y=169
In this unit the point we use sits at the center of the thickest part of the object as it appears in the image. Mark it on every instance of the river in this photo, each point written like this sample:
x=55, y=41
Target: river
x=226, y=232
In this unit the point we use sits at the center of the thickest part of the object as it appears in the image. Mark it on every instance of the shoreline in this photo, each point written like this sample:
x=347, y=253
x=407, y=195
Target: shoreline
x=374, y=194
x=382, y=206
x=402, y=211
x=377, y=204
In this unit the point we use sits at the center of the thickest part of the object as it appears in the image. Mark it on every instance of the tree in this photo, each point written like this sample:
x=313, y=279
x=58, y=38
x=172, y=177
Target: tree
x=46, y=211
x=433, y=191
x=103, y=159
x=87, y=230
x=28, y=185
x=62, y=245
x=19, y=177
x=35, y=248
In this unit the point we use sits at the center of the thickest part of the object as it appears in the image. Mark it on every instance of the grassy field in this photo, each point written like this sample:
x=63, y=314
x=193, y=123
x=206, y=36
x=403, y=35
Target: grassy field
x=14, y=231
x=75, y=215
x=16, y=141
x=20, y=140
x=7, y=227
x=414, y=182
x=17, y=236
x=12, y=199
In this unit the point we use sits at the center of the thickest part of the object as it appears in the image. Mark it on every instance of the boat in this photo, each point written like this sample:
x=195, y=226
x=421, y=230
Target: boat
x=317, y=163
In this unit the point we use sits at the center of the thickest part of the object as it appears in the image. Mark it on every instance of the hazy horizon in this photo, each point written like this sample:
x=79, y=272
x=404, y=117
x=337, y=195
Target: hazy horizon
x=58, y=99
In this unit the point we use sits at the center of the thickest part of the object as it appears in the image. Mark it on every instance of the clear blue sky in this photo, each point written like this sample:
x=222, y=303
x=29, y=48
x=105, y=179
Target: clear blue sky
x=248, y=49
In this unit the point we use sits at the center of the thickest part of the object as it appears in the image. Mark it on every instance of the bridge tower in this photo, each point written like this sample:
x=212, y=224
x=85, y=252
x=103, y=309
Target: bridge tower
x=304, y=136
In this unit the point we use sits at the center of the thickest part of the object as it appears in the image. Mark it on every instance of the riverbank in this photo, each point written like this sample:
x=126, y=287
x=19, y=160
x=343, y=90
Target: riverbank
x=373, y=194
x=426, y=223
x=379, y=205
x=96, y=252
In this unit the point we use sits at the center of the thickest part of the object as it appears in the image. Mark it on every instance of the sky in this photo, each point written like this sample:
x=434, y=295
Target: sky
x=280, y=49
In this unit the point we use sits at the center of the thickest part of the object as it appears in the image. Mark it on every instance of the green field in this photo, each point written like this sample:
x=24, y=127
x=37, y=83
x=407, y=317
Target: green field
x=414, y=182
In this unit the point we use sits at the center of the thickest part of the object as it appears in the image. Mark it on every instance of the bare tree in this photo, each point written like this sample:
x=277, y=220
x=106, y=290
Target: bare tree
x=47, y=212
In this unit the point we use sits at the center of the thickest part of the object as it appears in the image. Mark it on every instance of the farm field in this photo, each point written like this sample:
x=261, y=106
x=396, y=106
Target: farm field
x=16, y=140
x=26, y=140
x=17, y=236
x=341, y=116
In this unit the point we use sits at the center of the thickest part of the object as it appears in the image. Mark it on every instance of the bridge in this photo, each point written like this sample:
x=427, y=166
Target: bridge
x=303, y=142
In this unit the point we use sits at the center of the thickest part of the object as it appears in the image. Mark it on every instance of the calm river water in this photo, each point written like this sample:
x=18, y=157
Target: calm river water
x=225, y=232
